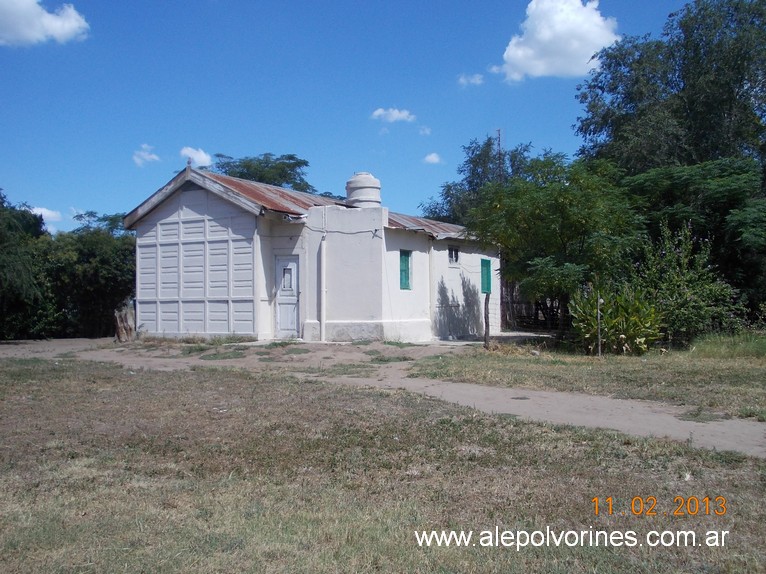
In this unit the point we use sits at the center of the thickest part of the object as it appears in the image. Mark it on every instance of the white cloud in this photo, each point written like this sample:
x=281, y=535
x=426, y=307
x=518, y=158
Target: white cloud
x=197, y=156
x=559, y=39
x=144, y=155
x=473, y=80
x=25, y=22
x=392, y=115
x=48, y=214
x=433, y=158
x=424, y=131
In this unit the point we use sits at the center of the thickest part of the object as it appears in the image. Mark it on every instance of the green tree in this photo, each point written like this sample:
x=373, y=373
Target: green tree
x=484, y=163
x=723, y=198
x=93, y=271
x=746, y=236
x=20, y=281
x=696, y=95
x=67, y=285
x=86, y=274
x=558, y=225
x=690, y=296
x=284, y=171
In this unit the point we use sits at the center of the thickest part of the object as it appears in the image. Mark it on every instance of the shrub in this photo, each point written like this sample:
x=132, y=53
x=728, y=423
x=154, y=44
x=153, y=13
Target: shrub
x=688, y=293
x=630, y=322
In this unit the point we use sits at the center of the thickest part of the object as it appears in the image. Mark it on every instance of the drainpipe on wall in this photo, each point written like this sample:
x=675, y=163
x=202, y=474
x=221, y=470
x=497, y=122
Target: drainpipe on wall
x=323, y=278
x=322, y=288
x=432, y=294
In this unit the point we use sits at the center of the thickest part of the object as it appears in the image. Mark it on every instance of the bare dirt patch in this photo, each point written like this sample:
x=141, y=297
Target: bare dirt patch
x=171, y=355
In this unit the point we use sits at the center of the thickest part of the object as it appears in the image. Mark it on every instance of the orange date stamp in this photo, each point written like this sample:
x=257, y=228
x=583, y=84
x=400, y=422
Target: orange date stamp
x=648, y=506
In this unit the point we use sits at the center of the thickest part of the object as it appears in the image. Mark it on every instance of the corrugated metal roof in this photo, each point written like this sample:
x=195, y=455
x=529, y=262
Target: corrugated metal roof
x=292, y=202
x=272, y=197
x=286, y=201
x=437, y=229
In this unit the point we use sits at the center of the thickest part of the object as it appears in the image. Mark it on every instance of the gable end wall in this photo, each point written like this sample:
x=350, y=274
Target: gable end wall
x=195, y=267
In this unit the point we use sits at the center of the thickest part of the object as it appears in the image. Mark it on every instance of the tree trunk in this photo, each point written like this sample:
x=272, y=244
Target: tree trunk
x=125, y=322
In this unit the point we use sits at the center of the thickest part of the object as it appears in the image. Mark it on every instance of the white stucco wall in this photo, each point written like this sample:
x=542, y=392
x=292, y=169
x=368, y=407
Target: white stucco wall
x=406, y=312
x=353, y=255
x=206, y=266
x=276, y=238
x=456, y=296
x=195, y=267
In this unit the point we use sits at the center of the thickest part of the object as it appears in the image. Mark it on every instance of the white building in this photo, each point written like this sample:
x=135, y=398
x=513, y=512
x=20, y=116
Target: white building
x=219, y=255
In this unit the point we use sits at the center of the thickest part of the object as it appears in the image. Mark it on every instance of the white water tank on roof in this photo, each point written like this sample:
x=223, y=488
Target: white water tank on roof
x=363, y=190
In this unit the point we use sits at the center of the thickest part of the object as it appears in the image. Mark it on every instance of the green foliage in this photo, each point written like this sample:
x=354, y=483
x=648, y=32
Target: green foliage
x=685, y=116
x=92, y=272
x=547, y=275
x=484, y=163
x=693, y=96
x=20, y=281
x=724, y=199
x=283, y=171
x=64, y=285
x=691, y=297
x=630, y=108
x=630, y=322
x=109, y=223
x=745, y=230
x=749, y=344
x=557, y=224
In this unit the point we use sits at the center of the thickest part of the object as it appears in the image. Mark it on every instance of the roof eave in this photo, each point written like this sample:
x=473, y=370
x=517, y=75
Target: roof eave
x=194, y=176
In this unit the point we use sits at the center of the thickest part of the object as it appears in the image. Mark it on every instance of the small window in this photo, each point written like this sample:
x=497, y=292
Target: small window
x=405, y=266
x=486, y=276
x=287, y=279
x=454, y=254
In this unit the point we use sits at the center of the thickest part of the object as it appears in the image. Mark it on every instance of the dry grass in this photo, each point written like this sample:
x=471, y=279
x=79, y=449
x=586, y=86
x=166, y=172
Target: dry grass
x=216, y=470
x=730, y=385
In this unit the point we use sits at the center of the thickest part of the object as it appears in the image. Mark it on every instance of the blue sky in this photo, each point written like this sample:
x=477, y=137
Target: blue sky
x=102, y=102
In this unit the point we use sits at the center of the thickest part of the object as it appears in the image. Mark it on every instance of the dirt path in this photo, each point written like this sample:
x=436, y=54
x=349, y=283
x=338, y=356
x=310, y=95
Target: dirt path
x=634, y=417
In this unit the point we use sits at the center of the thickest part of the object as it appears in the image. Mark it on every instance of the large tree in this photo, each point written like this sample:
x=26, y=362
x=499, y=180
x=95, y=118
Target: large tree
x=285, y=170
x=722, y=202
x=92, y=271
x=696, y=95
x=558, y=225
x=19, y=282
x=63, y=285
x=485, y=162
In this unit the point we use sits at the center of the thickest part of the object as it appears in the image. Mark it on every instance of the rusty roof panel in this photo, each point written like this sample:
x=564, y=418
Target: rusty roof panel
x=272, y=197
x=436, y=228
x=292, y=202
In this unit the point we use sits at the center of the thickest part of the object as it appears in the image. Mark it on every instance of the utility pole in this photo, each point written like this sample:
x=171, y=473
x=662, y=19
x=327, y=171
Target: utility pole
x=500, y=167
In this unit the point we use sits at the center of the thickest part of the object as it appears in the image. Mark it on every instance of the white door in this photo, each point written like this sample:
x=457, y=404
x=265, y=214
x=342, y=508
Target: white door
x=287, y=297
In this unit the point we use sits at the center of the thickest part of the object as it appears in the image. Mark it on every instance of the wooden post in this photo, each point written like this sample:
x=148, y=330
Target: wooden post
x=486, y=321
x=125, y=322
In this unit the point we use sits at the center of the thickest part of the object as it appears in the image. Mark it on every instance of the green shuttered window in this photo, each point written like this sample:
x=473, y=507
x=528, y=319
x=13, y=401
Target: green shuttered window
x=486, y=276
x=405, y=259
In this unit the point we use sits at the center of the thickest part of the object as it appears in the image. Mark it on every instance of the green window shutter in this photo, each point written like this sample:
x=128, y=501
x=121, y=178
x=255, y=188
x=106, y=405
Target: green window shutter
x=404, y=269
x=486, y=276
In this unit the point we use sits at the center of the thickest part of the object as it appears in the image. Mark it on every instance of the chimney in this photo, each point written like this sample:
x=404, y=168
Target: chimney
x=363, y=190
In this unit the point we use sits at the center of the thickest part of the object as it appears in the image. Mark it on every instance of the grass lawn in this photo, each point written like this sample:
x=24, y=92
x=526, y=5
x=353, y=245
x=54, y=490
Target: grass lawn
x=107, y=470
x=707, y=380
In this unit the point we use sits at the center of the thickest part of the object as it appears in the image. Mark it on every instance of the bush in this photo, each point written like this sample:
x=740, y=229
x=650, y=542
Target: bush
x=630, y=323
x=690, y=296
